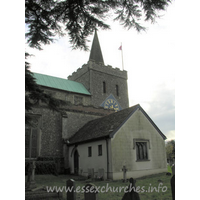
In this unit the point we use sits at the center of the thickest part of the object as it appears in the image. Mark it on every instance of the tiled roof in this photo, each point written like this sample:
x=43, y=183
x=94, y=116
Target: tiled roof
x=107, y=126
x=60, y=83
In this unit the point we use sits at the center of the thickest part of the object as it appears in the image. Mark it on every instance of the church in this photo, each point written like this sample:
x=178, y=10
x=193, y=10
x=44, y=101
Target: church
x=97, y=134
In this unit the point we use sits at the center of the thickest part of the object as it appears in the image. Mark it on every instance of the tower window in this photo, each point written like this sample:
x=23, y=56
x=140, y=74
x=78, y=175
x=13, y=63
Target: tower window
x=117, y=90
x=104, y=87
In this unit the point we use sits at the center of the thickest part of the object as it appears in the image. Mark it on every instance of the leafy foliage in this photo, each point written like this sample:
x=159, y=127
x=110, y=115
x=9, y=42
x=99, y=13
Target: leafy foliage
x=170, y=150
x=48, y=18
x=34, y=94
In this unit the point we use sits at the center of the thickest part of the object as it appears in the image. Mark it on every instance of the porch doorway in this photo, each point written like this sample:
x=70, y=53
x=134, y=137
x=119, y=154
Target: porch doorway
x=76, y=162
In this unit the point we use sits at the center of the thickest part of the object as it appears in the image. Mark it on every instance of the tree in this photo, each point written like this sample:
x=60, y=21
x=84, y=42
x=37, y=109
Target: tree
x=34, y=94
x=46, y=19
x=170, y=150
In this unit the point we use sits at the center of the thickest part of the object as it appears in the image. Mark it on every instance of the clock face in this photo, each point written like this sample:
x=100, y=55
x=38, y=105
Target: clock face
x=111, y=104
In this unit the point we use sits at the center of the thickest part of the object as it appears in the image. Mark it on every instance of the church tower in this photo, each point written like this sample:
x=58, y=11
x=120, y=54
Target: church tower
x=107, y=85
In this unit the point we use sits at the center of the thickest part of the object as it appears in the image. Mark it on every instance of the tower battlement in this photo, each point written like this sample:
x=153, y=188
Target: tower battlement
x=92, y=65
x=78, y=73
x=108, y=69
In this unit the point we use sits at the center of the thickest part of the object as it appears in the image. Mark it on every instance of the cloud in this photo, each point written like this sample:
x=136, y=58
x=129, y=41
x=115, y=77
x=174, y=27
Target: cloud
x=162, y=109
x=170, y=135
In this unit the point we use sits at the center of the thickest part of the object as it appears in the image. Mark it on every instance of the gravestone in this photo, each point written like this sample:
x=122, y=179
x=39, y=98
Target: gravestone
x=81, y=172
x=124, y=173
x=30, y=184
x=91, y=173
x=173, y=183
x=71, y=194
x=131, y=194
x=101, y=174
x=90, y=192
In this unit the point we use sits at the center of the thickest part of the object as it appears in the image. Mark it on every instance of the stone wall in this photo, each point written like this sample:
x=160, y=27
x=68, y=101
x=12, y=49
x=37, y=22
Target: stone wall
x=98, y=95
x=82, y=75
x=76, y=120
x=93, y=75
x=51, y=132
x=68, y=96
x=55, y=126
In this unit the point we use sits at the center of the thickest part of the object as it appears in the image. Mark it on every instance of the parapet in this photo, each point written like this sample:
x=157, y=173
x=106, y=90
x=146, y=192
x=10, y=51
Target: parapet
x=78, y=73
x=108, y=69
x=91, y=65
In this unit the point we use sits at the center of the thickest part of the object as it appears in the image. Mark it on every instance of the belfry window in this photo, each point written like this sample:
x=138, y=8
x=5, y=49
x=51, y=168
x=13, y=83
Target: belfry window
x=117, y=90
x=104, y=87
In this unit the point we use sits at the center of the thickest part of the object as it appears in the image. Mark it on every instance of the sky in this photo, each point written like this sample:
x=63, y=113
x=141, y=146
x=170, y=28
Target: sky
x=148, y=58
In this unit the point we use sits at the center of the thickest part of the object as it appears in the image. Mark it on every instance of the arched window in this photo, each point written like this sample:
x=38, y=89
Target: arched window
x=141, y=151
x=117, y=90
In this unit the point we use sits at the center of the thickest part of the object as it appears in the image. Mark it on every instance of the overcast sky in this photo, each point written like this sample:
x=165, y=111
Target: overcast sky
x=149, y=58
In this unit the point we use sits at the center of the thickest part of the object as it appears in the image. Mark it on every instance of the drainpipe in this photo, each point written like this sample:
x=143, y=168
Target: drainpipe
x=107, y=158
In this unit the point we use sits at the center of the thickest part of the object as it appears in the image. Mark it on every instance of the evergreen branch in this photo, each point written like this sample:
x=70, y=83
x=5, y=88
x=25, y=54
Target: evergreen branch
x=34, y=94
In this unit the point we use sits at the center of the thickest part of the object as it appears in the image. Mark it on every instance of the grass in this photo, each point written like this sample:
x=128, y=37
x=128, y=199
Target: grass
x=148, y=186
x=152, y=183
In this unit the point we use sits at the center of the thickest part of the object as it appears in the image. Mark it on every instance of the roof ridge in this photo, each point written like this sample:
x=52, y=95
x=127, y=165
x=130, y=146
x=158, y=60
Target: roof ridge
x=152, y=122
x=129, y=115
x=54, y=76
x=107, y=126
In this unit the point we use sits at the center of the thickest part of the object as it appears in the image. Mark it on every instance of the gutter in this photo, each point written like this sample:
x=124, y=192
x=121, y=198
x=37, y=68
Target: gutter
x=84, y=141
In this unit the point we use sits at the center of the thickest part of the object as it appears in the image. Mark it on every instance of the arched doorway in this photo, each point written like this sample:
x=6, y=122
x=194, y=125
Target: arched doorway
x=76, y=162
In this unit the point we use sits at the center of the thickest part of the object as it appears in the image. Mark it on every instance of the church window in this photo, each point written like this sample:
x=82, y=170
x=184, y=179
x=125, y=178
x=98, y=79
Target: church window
x=117, y=90
x=100, y=150
x=141, y=151
x=78, y=100
x=89, y=151
x=104, y=87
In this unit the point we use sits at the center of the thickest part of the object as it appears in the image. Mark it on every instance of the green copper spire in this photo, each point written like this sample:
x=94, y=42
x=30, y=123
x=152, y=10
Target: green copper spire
x=95, y=53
